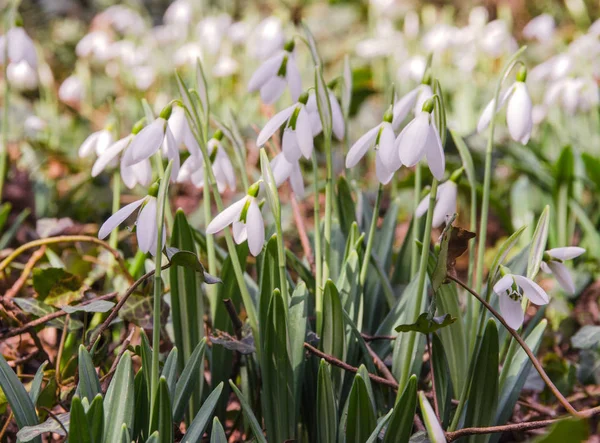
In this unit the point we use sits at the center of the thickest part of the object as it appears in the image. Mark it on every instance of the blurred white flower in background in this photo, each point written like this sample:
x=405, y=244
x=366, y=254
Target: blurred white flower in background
x=386, y=41
x=285, y=170
x=178, y=13
x=445, y=203
x=20, y=47
x=96, y=143
x=94, y=45
x=187, y=54
x=540, y=28
x=71, y=91
x=267, y=38
x=22, y=76
x=211, y=31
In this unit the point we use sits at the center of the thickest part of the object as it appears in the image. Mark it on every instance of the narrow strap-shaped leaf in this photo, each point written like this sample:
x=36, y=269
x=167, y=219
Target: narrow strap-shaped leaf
x=374, y=437
x=118, y=403
x=154, y=438
x=188, y=381
x=17, y=397
x=36, y=384
x=169, y=371
x=95, y=419
x=78, y=426
x=432, y=425
x=441, y=374
x=142, y=406
x=197, y=427
x=89, y=384
x=162, y=417
x=538, y=243
x=249, y=415
x=218, y=433
x=327, y=419
x=401, y=421
x=361, y=417
x=333, y=337
x=124, y=436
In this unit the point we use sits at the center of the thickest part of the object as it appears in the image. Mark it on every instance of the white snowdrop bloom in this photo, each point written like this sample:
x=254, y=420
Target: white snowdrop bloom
x=413, y=68
x=540, y=28
x=554, y=68
x=192, y=169
x=445, y=203
x=411, y=101
x=22, y=76
x=146, y=225
x=96, y=45
x=519, y=110
x=586, y=46
x=420, y=138
x=275, y=73
x=573, y=94
x=182, y=132
x=150, y=140
x=382, y=138
x=144, y=77
x=553, y=264
x=123, y=19
x=285, y=170
x=226, y=66
x=71, y=91
x=387, y=41
x=411, y=24
x=496, y=39
x=297, y=137
x=337, y=117
x=178, y=13
x=34, y=125
x=246, y=220
x=96, y=143
x=478, y=17
x=239, y=32
x=211, y=30
x=595, y=28
x=20, y=47
x=187, y=54
x=128, y=53
x=267, y=38
x=170, y=34
x=511, y=289
x=439, y=38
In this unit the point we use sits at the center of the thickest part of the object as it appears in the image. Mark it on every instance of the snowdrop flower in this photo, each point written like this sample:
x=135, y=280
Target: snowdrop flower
x=553, y=264
x=273, y=75
x=20, y=47
x=211, y=31
x=496, y=39
x=246, y=220
x=146, y=225
x=96, y=143
x=267, y=39
x=420, y=138
x=71, y=91
x=519, y=117
x=511, y=289
x=22, y=76
x=385, y=42
x=445, y=203
x=573, y=94
x=193, y=167
x=150, y=140
x=178, y=13
x=337, y=116
x=94, y=45
x=182, y=132
x=187, y=54
x=144, y=77
x=123, y=19
x=285, y=170
x=297, y=138
x=226, y=66
x=34, y=125
x=540, y=28
x=413, y=100
x=381, y=136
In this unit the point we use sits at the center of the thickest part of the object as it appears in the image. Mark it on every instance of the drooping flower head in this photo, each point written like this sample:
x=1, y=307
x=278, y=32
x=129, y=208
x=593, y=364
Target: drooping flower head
x=337, y=116
x=553, y=264
x=445, y=201
x=297, y=137
x=20, y=47
x=246, y=220
x=275, y=73
x=285, y=170
x=511, y=289
x=420, y=138
x=96, y=143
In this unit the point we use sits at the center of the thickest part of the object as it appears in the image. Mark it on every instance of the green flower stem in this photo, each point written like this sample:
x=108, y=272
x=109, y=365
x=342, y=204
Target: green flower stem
x=5, y=122
x=414, y=254
x=406, y=364
x=161, y=174
x=318, y=252
x=328, y=213
x=563, y=214
x=156, y=326
x=487, y=179
x=370, y=241
x=116, y=205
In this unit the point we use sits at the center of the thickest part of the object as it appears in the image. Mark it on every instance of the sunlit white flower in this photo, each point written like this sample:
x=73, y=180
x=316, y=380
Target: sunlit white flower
x=553, y=264
x=20, y=47
x=574, y=94
x=226, y=66
x=267, y=38
x=412, y=100
x=496, y=39
x=413, y=68
x=275, y=73
x=22, y=76
x=420, y=138
x=519, y=110
x=96, y=143
x=246, y=220
x=554, y=68
x=439, y=38
x=150, y=140
x=297, y=137
x=94, y=45
x=211, y=30
x=337, y=117
x=192, y=168
x=239, y=31
x=71, y=91
x=445, y=203
x=285, y=170
x=511, y=288
x=123, y=19
x=540, y=28
x=386, y=41
x=144, y=77
x=187, y=54
x=178, y=13
x=382, y=138
x=146, y=223
x=34, y=125
x=182, y=132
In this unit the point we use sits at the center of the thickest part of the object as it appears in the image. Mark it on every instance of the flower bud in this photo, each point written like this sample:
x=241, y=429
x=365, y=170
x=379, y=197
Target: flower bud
x=303, y=98
x=153, y=189
x=166, y=112
x=289, y=46
x=218, y=135
x=138, y=126
x=428, y=105
x=522, y=74
x=253, y=189
x=389, y=115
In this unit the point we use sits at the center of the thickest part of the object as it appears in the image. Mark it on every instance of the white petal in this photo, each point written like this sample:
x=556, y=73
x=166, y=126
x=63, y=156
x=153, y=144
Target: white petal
x=512, y=311
x=274, y=124
x=281, y=168
x=272, y=90
x=103, y=142
x=189, y=166
x=361, y=146
x=425, y=93
x=296, y=181
x=446, y=203
x=519, y=114
x=240, y=233
x=227, y=217
x=304, y=133
x=545, y=268
x=146, y=143
x=256, y=228
x=503, y=284
x=486, y=115
x=423, y=206
x=146, y=227
x=143, y=172
x=563, y=276
x=383, y=174
x=403, y=106
x=387, y=148
x=109, y=155
x=289, y=145
x=566, y=253
x=172, y=153
x=294, y=81
x=315, y=123
x=532, y=290
x=224, y=164
x=337, y=117
x=89, y=145
x=413, y=139
x=118, y=217
x=265, y=72
x=435, y=153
